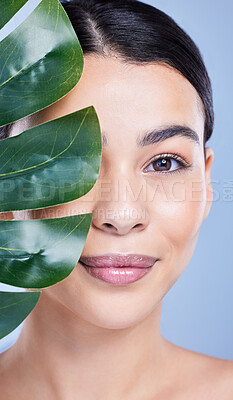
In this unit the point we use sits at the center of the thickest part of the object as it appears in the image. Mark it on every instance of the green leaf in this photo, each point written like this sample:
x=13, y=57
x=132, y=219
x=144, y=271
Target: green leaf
x=52, y=163
x=40, y=253
x=8, y=9
x=14, y=308
x=41, y=61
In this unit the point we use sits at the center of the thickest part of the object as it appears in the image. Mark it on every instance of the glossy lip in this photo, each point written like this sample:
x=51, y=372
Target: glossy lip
x=119, y=260
x=118, y=269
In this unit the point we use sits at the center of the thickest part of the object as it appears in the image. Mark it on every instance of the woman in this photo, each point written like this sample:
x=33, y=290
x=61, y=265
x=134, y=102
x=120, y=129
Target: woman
x=96, y=335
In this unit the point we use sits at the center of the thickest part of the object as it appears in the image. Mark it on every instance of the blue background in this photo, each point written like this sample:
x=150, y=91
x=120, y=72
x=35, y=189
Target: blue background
x=197, y=311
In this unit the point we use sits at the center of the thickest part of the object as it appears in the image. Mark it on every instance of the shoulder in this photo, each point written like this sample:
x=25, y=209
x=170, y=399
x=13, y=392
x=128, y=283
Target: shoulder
x=203, y=376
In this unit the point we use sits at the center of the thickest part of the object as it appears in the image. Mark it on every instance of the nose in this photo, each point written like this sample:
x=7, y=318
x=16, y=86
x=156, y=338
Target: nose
x=117, y=224
x=120, y=210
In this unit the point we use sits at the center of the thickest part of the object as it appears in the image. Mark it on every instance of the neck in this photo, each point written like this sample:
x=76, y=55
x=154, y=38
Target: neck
x=70, y=356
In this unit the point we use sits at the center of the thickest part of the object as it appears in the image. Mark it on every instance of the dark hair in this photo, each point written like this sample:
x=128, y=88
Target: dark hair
x=140, y=33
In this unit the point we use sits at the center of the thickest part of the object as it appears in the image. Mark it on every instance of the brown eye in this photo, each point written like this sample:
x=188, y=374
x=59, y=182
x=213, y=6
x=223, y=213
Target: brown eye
x=163, y=164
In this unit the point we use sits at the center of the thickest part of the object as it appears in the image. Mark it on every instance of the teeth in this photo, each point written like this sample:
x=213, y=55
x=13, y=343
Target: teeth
x=122, y=272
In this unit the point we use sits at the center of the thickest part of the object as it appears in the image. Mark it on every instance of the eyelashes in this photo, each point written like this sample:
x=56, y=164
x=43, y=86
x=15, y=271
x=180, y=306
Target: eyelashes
x=163, y=159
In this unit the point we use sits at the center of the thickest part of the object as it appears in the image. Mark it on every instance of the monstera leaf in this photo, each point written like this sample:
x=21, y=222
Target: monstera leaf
x=14, y=308
x=49, y=164
x=41, y=252
x=9, y=9
x=41, y=61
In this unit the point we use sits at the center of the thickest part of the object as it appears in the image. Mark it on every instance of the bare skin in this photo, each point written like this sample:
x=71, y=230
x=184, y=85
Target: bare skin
x=86, y=339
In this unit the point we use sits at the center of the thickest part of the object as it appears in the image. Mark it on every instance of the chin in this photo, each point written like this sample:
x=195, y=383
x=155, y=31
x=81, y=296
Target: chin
x=118, y=316
x=113, y=316
x=106, y=310
x=106, y=306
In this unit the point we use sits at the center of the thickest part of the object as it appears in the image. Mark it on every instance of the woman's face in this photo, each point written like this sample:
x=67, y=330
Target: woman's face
x=139, y=206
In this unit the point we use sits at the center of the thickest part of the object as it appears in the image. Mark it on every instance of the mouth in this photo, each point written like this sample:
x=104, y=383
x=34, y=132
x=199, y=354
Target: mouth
x=118, y=269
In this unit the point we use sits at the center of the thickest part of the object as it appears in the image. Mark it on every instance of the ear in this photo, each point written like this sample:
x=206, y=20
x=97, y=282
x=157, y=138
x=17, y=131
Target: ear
x=209, y=188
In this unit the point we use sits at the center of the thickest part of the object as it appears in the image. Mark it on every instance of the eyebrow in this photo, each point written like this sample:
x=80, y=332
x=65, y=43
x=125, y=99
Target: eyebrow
x=162, y=134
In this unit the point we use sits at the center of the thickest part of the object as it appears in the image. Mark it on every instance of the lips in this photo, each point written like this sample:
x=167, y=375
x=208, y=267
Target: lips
x=118, y=268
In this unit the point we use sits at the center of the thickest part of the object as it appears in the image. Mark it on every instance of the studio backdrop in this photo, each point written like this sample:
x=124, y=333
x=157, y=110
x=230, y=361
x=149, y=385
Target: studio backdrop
x=197, y=312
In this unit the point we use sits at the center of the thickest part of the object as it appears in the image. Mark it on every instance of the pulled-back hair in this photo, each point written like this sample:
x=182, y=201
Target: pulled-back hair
x=139, y=33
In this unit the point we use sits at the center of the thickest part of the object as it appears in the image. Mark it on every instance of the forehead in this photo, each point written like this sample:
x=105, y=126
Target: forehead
x=131, y=98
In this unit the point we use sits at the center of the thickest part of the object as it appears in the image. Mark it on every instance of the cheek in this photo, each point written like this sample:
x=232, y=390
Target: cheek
x=62, y=210
x=176, y=215
x=22, y=214
x=177, y=207
x=177, y=212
